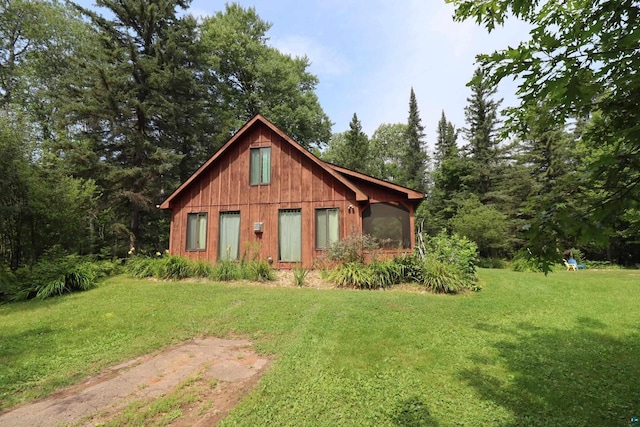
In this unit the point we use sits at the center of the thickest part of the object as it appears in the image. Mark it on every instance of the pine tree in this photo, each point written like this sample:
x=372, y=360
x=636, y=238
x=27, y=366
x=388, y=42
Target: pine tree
x=413, y=163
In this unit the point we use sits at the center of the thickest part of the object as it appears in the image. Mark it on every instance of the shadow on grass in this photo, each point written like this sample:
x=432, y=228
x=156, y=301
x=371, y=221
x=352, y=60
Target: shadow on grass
x=413, y=412
x=585, y=376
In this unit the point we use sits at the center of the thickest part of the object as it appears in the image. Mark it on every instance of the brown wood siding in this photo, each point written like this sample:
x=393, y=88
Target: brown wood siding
x=296, y=183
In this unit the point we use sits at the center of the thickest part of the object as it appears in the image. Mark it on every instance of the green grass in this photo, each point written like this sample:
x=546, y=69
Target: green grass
x=528, y=350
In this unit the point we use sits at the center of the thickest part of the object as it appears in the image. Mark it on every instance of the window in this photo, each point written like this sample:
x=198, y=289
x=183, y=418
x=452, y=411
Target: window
x=260, y=166
x=327, y=227
x=389, y=224
x=290, y=235
x=196, y=231
x=229, y=235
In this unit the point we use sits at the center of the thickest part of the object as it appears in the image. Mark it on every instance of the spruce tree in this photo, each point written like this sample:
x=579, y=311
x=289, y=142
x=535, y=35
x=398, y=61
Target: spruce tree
x=413, y=163
x=139, y=103
x=447, y=136
x=350, y=149
x=482, y=150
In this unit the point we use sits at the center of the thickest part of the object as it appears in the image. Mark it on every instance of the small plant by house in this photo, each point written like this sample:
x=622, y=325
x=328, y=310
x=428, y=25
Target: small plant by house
x=177, y=268
x=299, y=275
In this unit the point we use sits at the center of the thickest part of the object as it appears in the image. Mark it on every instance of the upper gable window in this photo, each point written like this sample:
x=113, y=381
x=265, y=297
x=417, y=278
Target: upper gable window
x=260, y=166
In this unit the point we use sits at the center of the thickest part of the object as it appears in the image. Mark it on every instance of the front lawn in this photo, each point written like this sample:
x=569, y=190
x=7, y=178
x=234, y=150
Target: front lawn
x=527, y=350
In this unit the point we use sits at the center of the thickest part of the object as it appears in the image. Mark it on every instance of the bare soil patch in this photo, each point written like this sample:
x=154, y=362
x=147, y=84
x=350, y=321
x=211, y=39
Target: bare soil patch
x=197, y=382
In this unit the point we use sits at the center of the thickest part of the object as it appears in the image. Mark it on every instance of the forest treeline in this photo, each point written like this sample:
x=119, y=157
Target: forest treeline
x=104, y=112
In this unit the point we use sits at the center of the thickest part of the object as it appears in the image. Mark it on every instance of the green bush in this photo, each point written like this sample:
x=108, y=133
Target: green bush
x=524, y=263
x=141, y=267
x=491, y=263
x=378, y=274
x=411, y=268
x=351, y=249
x=7, y=283
x=386, y=273
x=602, y=265
x=200, y=269
x=54, y=276
x=456, y=250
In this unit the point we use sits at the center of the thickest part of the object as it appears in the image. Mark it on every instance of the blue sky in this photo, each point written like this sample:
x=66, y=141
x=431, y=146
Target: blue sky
x=368, y=54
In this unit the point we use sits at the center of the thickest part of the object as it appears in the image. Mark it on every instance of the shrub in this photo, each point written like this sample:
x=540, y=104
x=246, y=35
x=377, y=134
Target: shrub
x=455, y=250
x=54, y=276
x=523, y=263
x=411, y=267
x=491, y=263
x=351, y=249
x=7, y=283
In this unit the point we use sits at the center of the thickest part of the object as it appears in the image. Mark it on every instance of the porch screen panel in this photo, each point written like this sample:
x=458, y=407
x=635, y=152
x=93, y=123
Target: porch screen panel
x=389, y=224
x=229, y=236
x=290, y=235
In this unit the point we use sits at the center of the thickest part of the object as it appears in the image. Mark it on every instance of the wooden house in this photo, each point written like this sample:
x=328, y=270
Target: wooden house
x=264, y=193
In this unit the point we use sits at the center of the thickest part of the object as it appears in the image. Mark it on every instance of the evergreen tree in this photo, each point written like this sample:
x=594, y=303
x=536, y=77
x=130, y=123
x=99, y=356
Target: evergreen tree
x=140, y=106
x=480, y=133
x=413, y=163
x=446, y=141
x=447, y=188
x=350, y=149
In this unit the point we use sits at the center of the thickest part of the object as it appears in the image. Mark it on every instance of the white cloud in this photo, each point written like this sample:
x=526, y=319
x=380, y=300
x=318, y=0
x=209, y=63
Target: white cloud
x=324, y=61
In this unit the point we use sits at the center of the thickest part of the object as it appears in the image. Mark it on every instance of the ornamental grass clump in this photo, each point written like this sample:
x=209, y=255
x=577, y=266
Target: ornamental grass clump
x=299, y=275
x=54, y=276
x=257, y=270
x=443, y=278
x=353, y=275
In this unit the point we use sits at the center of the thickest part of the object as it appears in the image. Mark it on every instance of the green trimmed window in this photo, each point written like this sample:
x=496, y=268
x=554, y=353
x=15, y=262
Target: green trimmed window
x=196, y=231
x=327, y=227
x=260, y=166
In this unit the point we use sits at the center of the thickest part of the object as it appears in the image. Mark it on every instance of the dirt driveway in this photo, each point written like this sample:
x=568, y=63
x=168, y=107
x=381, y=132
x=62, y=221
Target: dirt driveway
x=219, y=372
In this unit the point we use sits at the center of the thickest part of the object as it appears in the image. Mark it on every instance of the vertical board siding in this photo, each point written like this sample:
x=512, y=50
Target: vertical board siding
x=296, y=183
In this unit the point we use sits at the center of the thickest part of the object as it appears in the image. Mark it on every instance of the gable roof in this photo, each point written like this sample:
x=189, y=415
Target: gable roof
x=340, y=174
